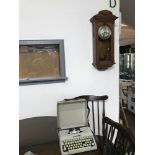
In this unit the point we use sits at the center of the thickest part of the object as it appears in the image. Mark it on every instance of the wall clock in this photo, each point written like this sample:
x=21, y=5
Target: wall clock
x=103, y=39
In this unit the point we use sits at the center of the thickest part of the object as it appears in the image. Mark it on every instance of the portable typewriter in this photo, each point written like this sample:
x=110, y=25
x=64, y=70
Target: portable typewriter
x=74, y=133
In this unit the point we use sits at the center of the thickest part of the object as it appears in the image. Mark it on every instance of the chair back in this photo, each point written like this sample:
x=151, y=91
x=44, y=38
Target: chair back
x=119, y=139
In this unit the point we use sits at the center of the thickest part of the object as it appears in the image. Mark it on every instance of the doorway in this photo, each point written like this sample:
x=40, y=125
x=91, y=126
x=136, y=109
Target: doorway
x=127, y=65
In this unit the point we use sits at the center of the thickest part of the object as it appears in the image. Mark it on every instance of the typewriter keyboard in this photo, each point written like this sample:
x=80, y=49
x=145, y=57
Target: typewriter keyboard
x=78, y=143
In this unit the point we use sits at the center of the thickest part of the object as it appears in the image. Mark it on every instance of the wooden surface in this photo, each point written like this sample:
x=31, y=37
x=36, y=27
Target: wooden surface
x=37, y=130
x=50, y=149
x=39, y=135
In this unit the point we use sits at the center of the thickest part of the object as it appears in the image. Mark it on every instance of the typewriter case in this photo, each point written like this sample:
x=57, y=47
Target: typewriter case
x=72, y=114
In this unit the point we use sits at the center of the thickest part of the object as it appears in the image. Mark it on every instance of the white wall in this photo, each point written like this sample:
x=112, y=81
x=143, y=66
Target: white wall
x=68, y=20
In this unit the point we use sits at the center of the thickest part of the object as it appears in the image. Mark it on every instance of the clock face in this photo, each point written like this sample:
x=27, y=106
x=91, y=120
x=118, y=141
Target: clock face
x=104, y=32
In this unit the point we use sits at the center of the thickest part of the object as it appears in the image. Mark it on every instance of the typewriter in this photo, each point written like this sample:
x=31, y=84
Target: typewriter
x=74, y=134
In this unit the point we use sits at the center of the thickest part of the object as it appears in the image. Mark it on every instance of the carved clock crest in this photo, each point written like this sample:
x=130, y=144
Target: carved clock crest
x=103, y=39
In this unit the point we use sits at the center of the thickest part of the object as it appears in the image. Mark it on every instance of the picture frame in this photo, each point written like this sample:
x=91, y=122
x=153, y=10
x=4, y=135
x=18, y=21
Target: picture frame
x=41, y=61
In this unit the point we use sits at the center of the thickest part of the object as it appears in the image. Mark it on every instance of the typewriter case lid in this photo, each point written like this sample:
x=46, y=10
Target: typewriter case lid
x=72, y=113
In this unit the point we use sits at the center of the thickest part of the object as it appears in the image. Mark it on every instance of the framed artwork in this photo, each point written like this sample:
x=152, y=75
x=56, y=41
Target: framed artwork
x=41, y=61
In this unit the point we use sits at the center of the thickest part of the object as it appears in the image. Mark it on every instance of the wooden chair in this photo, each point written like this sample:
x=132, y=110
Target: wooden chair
x=118, y=139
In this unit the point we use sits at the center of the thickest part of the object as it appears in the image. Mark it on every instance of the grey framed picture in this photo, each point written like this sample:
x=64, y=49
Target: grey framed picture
x=41, y=61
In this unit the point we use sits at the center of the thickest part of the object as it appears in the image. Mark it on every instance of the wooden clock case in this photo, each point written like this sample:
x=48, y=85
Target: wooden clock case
x=103, y=49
